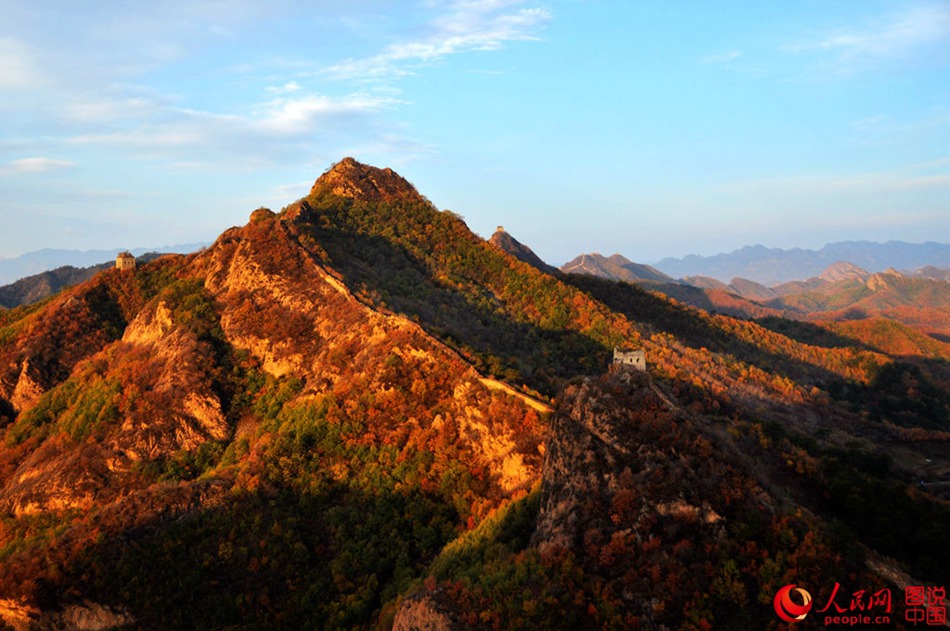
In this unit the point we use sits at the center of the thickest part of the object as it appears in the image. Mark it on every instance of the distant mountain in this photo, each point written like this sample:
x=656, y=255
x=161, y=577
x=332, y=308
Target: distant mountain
x=885, y=290
x=706, y=282
x=931, y=272
x=842, y=292
x=34, y=288
x=751, y=289
x=837, y=272
x=843, y=270
x=48, y=259
x=43, y=285
x=770, y=266
x=520, y=251
x=614, y=267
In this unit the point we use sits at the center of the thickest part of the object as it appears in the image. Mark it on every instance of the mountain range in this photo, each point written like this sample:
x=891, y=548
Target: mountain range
x=770, y=266
x=356, y=413
x=842, y=291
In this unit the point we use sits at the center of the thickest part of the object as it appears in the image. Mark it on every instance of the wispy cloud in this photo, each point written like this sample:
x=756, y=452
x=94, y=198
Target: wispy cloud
x=721, y=58
x=266, y=134
x=306, y=113
x=37, y=165
x=109, y=108
x=468, y=25
x=919, y=33
x=288, y=88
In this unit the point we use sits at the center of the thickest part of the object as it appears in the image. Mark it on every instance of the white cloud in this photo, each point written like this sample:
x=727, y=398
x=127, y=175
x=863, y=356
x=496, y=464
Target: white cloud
x=920, y=33
x=288, y=88
x=468, y=25
x=266, y=134
x=306, y=113
x=94, y=97
x=38, y=165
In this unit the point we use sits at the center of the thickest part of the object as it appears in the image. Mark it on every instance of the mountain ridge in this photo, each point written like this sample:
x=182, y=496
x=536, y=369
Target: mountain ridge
x=297, y=426
x=46, y=259
x=616, y=267
x=507, y=243
x=34, y=288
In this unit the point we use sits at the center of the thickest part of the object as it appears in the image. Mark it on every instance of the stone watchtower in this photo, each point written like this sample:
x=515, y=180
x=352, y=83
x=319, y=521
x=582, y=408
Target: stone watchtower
x=632, y=359
x=125, y=261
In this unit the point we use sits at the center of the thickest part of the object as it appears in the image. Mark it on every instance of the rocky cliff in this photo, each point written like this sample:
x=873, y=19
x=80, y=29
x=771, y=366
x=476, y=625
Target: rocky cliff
x=354, y=180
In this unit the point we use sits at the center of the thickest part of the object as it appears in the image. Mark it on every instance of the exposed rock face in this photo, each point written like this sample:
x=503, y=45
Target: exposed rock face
x=293, y=315
x=150, y=326
x=86, y=616
x=610, y=436
x=584, y=456
x=27, y=391
x=164, y=370
x=883, y=280
x=627, y=481
x=424, y=612
x=349, y=178
x=83, y=616
x=842, y=270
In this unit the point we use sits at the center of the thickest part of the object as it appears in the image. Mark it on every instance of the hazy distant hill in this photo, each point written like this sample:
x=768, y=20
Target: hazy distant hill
x=47, y=259
x=519, y=250
x=39, y=286
x=933, y=273
x=842, y=292
x=616, y=267
x=34, y=288
x=769, y=266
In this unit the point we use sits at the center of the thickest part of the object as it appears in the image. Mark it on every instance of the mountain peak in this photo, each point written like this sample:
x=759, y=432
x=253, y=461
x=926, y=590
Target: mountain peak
x=349, y=178
x=843, y=270
x=507, y=243
x=616, y=267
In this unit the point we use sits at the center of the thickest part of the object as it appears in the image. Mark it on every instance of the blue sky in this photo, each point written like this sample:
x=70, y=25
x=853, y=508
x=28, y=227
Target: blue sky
x=650, y=129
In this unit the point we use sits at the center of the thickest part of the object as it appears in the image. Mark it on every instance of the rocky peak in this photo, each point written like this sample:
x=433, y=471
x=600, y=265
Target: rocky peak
x=349, y=178
x=842, y=270
x=883, y=280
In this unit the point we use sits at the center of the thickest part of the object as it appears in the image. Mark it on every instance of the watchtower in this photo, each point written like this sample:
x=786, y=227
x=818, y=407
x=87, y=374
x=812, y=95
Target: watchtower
x=634, y=359
x=125, y=261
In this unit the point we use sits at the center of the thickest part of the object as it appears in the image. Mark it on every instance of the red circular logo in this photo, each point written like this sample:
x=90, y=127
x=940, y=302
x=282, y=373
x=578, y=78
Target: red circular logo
x=787, y=609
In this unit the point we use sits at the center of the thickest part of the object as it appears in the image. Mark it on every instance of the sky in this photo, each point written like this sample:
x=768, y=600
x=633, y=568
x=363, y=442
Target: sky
x=651, y=129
